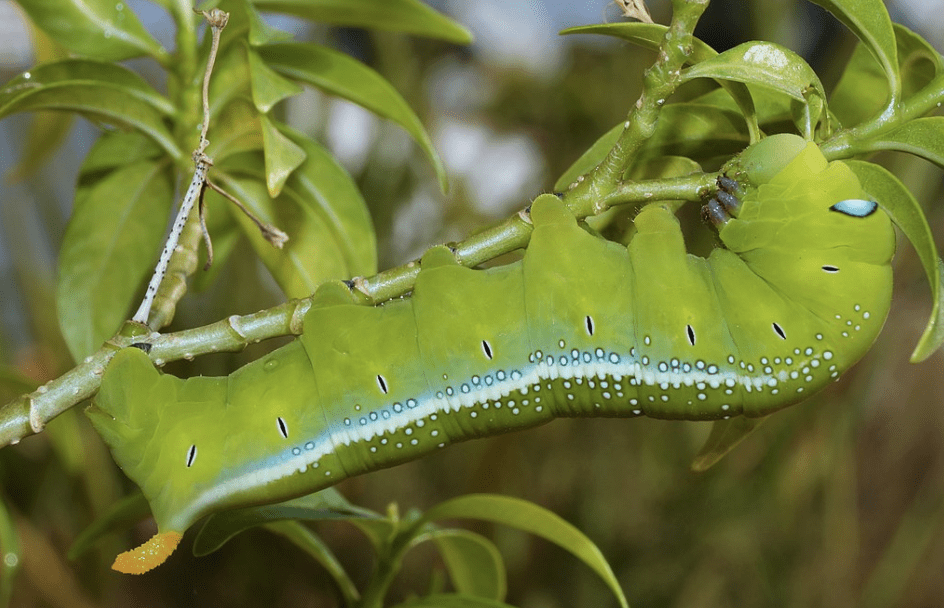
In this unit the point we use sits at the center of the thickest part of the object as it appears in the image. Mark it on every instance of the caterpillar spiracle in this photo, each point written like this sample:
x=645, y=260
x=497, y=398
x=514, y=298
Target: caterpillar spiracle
x=581, y=326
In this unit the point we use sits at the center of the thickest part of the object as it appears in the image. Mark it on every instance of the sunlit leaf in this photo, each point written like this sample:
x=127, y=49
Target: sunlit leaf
x=761, y=63
x=104, y=29
x=268, y=88
x=339, y=74
x=96, y=101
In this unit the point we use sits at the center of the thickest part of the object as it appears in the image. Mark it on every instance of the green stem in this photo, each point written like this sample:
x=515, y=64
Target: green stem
x=659, y=82
x=600, y=190
x=859, y=140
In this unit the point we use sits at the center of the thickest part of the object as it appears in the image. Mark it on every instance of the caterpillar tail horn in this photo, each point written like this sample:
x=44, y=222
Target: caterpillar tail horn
x=148, y=556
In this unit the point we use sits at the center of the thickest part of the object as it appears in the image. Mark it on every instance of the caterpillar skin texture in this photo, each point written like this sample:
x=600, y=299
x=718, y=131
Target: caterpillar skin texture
x=580, y=327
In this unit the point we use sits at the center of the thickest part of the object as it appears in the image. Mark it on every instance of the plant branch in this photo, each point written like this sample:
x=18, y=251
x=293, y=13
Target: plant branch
x=600, y=190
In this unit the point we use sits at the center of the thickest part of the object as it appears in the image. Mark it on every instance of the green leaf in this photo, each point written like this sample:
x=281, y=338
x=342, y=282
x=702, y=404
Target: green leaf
x=104, y=29
x=725, y=436
x=119, y=516
x=117, y=149
x=325, y=185
x=474, y=563
x=409, y=16
x=530, y=518
x=282, y=156
x=328, y=504
x=268, y=88
x=85, y=71
x=697, y=131
x=311, y=543
x=862, y=91
x=117, y=105
x=649, y=36
x=869, y=21
x=10, y=556
x=319, y=209
x=338, y=74
x=452, y=600
x=646, y=35
x=905, y=211
x=693, y=130
x=922, y=137
x=109, y=247
x=237, y=130
x=761, y=63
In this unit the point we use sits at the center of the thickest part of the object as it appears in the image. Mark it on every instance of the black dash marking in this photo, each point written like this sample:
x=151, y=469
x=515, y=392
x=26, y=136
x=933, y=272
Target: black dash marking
x=487, y=349
x=283, y=428
x=191, y=455
x=589, y=325
x=780, y=332
x=382, y=383
x=691, y=334
x=829, y=268
x=145, y=346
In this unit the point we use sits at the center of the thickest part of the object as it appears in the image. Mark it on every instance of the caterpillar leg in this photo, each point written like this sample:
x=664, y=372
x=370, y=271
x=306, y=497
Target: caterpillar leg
x=725, y=204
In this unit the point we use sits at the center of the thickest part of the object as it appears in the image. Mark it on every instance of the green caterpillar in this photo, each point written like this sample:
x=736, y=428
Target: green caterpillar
x=579, y=327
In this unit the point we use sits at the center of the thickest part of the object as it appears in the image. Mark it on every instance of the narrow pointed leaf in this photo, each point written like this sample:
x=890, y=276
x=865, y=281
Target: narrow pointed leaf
x=475, y=566
x=725, y=436
x=869, y=21
x=319, y=246
x=907, y=214
x=531, y=518
x=97, y=102
x=323, y=184
x=85, y=71
x=104, y=29
x=268, y=88
x=110, y=246
x=327, y=504
x=282, y=156
x=408, y=16
x=339, y=74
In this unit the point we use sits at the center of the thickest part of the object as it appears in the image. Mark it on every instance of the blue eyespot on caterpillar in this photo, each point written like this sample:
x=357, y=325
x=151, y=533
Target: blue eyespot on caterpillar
x=580, y=326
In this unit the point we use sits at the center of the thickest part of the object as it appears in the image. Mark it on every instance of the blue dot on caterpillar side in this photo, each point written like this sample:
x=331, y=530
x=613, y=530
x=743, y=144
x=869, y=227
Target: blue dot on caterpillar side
x=855, y=207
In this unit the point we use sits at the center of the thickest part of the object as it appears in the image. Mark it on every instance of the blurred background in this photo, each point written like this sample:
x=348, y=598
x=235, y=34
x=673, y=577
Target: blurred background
x=836, y=502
